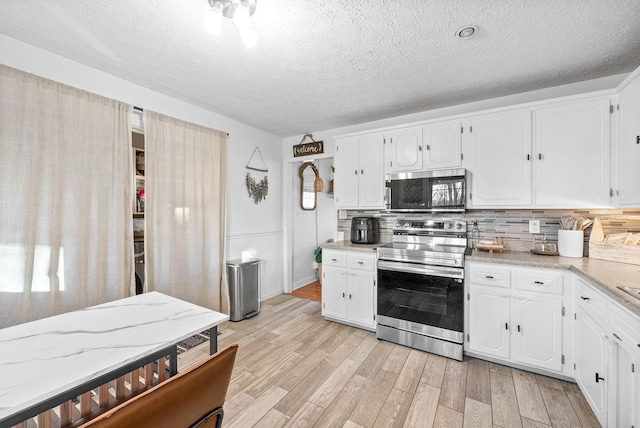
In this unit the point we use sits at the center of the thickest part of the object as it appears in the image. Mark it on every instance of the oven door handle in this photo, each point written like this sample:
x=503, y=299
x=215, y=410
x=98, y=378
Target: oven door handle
x=421, y=269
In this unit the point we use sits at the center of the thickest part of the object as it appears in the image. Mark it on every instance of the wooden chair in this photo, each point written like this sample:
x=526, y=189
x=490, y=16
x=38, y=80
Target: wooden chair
x=192, y=398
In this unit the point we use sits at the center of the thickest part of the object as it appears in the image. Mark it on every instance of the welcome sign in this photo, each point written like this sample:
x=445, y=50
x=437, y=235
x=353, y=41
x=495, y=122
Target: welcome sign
x=307, y=149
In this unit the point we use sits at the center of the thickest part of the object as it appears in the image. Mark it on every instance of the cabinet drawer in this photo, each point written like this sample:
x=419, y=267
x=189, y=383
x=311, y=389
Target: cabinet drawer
x=490, y=275
x=539, y=281
x=591, y=301
x=360, y=261
x=334, y=258
x=626, y=327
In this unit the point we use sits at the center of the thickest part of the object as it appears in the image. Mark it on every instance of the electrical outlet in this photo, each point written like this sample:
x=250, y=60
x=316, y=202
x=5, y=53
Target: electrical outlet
x=534, y=226
x=342, y=214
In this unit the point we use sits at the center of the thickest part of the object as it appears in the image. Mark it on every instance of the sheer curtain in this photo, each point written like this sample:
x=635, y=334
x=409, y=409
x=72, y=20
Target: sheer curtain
x=65, y=198
x=185, y=211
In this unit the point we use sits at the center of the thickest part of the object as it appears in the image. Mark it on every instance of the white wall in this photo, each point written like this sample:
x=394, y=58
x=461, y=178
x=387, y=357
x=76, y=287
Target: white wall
x=250, y=227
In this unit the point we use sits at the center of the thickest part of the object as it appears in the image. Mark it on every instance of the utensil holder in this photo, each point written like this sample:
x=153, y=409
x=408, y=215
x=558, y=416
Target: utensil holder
x=571, y=243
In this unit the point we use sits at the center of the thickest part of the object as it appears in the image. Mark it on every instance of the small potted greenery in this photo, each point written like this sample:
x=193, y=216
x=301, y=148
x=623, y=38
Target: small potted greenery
x=318, y=255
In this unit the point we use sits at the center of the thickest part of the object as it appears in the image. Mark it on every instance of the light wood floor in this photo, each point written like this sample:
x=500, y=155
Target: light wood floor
x=294, y=368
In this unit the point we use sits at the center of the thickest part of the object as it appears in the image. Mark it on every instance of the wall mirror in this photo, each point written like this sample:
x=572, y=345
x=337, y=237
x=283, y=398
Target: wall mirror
x=308, y=176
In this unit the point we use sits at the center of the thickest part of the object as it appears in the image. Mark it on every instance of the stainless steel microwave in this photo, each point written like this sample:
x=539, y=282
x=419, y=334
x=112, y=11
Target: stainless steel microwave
x=426, y=191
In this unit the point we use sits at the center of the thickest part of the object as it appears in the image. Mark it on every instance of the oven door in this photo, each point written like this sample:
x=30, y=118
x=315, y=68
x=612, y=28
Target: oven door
x=423, y=299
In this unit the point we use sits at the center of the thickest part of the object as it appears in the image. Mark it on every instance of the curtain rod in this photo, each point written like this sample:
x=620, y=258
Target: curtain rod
x=141, y=109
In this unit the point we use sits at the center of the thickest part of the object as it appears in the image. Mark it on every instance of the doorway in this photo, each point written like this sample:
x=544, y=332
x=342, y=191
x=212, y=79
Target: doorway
x=310, y=228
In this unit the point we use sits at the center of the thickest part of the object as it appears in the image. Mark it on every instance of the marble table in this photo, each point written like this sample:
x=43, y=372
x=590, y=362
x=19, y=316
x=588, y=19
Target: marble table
x=51, y=359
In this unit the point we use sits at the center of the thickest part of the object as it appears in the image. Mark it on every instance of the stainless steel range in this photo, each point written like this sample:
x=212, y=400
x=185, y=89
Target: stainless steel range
x=420, y=286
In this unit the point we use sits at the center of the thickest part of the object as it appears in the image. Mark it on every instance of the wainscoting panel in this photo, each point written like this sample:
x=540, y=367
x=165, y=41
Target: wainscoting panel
x=268, y=247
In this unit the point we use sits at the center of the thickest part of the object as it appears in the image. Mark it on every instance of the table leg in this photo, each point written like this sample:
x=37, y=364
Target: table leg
x=173, y=361
x=213, y=340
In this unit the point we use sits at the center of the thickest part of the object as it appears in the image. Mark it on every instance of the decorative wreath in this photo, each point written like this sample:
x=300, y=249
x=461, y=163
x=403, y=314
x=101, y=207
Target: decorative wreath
x=258, y=190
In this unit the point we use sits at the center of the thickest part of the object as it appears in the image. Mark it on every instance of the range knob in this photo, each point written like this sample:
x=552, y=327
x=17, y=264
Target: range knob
x=458, y=226
x=406, y=224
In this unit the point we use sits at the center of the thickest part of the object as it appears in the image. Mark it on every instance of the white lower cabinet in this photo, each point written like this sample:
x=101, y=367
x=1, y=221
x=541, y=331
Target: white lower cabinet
x=508, y=322
x=607, y=357
x=489, y=316
x=348, y=287
x=537, y=331
x=624, y=384
x=590, y=373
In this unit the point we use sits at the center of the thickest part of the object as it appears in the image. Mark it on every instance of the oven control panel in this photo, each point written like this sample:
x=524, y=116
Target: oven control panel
x=412, y=225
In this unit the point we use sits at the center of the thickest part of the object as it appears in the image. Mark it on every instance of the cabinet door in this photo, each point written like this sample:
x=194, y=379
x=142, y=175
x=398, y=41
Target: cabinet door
x=346, y=174
x=403, y=150
x=489, y=321
x=334, y=292
x=371, y=179
x=442, y=145
x=591, y=363
x=624, y=388
x=500, y=164
x=360, y=290
x=629, y=146
x=571, y=154
x=537, y=331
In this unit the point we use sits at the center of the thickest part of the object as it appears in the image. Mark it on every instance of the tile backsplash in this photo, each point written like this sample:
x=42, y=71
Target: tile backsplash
x=511, y=225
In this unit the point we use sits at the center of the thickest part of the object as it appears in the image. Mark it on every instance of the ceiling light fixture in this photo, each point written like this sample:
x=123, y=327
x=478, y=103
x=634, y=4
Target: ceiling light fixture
x=239, y=11
x=467, y=32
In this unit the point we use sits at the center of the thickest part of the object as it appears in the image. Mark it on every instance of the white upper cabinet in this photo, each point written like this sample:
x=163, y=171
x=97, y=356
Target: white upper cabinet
x=359, y=175
x=628, y=172
x=442, y=145
x=500, y=164
x=419, y=148
x=571, y=155
x=403, y=150
x=346, y=173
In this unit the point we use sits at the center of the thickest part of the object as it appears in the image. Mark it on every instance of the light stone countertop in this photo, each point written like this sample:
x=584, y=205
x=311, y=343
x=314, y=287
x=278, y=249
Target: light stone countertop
x=604, y=274
x=349, y=246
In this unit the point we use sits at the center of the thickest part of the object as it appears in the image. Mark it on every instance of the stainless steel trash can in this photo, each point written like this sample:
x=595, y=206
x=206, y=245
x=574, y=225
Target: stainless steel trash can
x=244, y=288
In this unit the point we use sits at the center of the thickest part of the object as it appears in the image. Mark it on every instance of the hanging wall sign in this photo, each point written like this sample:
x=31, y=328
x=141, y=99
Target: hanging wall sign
x=308, y=149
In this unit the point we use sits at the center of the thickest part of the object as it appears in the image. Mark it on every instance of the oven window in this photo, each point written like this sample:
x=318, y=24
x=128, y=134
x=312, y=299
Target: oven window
x=422, y=299
x=447, y=193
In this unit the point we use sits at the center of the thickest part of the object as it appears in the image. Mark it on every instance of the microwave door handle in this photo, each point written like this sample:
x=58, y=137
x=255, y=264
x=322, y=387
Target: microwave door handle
x=387, y=196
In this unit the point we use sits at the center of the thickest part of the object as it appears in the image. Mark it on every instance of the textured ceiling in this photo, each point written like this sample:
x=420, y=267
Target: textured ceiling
x=325, y=64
